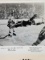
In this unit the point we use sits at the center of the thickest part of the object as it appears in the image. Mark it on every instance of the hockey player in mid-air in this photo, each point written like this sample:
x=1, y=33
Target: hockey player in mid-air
x=11, y=25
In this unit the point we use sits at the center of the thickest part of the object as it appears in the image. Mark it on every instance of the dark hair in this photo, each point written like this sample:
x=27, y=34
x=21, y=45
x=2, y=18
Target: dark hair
x=35, y=15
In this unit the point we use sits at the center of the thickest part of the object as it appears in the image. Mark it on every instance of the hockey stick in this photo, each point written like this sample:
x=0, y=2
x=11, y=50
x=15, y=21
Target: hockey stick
x=3, y=37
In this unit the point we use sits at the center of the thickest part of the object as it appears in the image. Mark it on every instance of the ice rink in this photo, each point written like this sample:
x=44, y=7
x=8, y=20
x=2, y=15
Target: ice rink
x=25, y=36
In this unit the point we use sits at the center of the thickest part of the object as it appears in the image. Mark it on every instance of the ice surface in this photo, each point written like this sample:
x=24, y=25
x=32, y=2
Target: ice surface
x=25, y=36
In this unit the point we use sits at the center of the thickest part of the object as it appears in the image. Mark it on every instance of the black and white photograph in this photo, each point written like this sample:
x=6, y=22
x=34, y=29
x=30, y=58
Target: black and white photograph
x=22, y=24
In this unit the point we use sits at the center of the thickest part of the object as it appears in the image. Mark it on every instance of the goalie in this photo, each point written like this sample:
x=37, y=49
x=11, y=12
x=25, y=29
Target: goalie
x=11, y=25
x=41, y=37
